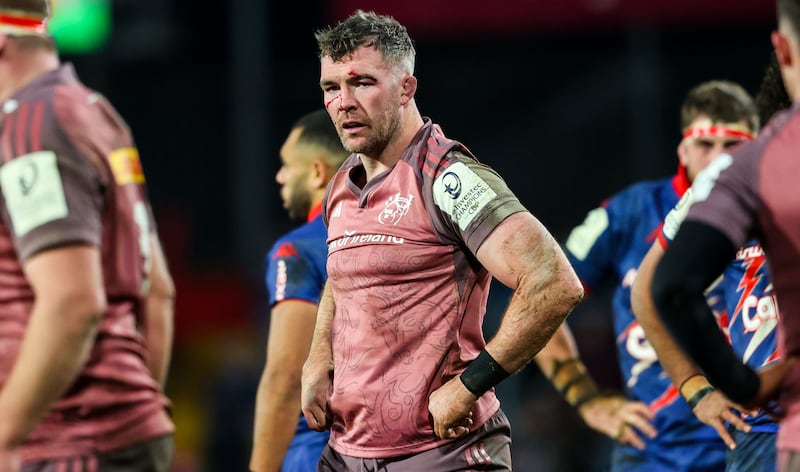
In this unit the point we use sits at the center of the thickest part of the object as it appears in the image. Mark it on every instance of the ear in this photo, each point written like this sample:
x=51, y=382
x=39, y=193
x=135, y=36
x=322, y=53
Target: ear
x=783, y=49
x=319, y=174
x=683, y=153
x=409, y=88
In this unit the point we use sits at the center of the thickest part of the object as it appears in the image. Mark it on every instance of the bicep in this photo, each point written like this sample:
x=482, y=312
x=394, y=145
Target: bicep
x=518, y=246
x=290, y=330
x=640, y=292
x=68, y=274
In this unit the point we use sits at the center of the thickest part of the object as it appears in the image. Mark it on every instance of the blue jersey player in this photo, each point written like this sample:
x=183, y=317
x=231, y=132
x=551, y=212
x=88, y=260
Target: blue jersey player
x=295, y=276
x=610, y=245
x=744, y=301
x=748, y=315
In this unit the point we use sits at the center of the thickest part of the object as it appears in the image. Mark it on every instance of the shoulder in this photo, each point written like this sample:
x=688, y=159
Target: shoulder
x=777, y=138
x=310, y=236
x=645, y=189
x=83, y=111
x=432, y=152
x=636, y=196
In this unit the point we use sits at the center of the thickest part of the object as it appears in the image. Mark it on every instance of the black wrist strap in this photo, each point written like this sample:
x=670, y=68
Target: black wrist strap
x=699, y=395
x=482, y=374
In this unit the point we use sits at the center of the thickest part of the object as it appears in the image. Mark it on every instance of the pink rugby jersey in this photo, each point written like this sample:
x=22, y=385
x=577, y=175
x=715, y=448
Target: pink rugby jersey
x=410, y=294
x=70, y=174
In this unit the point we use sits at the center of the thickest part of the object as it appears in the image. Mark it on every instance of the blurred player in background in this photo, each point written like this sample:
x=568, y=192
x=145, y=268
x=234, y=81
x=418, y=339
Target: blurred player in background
x=611, y=243
x=85, y=295
x=607, y=412
x=295, y=277
x=747, y=312
x=748, y=193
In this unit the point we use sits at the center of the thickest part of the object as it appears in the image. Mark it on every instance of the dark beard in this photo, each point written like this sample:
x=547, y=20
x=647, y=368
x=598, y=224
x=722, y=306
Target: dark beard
x=375, y=145
x=299, y=206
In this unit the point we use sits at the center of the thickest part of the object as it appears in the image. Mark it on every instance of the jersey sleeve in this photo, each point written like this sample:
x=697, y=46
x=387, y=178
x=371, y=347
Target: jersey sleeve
x=727, y=197
x=291, y=274
x=472, y=200
x=52, y=197
x=675, y=217
x=591, y=246
x=715, y=294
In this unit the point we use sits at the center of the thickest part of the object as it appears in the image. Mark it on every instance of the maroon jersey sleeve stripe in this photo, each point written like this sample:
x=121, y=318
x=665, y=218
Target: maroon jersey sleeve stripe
x=36, y=127
x=436, y=149
x=5, y=139
x=432, y=166
x=19, y=132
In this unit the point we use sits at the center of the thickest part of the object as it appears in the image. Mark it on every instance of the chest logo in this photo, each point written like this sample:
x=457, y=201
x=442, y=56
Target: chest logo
x=394, y=209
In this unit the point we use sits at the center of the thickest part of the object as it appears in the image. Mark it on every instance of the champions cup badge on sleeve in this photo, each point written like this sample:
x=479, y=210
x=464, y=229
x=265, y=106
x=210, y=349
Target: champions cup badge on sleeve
x=396, y=207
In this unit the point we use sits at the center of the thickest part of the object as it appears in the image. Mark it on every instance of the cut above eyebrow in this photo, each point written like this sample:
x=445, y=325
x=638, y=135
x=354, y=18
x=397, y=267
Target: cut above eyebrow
x=350, y=79
x=356, y=77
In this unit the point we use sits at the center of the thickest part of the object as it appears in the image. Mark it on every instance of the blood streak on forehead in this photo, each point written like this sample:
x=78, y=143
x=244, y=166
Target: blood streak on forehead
x=353, y=73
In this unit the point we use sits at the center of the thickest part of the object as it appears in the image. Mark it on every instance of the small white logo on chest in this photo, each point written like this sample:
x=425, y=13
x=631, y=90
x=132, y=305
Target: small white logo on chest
x=395, y=207
x=337, y=212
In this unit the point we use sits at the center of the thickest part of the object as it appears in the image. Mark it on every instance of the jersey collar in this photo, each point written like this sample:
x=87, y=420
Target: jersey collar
x=680, y=183
x=315, y=211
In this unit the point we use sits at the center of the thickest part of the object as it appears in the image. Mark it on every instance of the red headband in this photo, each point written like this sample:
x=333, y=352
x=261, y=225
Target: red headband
x=719, y=131
x=18, y=22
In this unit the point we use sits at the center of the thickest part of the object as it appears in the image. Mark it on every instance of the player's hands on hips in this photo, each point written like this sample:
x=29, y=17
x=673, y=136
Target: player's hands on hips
x=451, y=409
x=771, y=378
x=619, y=418
x=715, y=409
x=316, y=380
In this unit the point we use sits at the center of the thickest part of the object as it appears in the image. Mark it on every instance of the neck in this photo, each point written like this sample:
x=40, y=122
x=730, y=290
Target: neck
x=410, y=122
x=22, y=69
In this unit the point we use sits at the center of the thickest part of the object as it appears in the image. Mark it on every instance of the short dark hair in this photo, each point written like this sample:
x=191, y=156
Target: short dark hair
x=789, y=10
x=772, y=96
x=720, y=101
x=318, y=130
x=372, y=30
x=35, y=8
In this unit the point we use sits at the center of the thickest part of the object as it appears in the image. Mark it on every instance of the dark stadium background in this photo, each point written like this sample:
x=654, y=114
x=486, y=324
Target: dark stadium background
x=570, y=101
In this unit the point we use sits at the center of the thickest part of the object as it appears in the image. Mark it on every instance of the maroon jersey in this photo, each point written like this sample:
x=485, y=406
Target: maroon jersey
x=753, y=192
x=70, y=174
x=409, y=294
